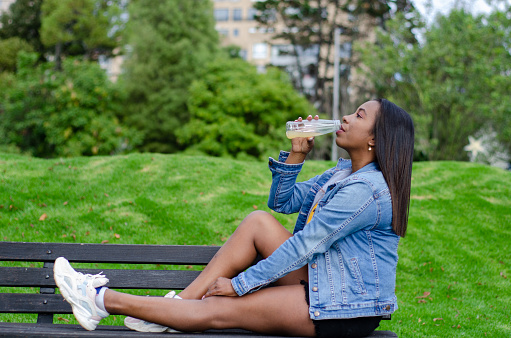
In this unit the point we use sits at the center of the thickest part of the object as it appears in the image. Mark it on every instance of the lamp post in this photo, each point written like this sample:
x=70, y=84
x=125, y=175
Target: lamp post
x=335, y=104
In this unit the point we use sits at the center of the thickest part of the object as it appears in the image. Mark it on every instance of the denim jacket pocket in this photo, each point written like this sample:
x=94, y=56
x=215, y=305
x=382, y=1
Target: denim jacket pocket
x=357, y=276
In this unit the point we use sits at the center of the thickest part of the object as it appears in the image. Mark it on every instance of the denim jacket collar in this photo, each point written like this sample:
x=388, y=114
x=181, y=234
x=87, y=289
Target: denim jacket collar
x=343, y=164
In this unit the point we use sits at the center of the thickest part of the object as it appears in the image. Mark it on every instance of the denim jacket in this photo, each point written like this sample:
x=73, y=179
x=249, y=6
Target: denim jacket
x=349, y=244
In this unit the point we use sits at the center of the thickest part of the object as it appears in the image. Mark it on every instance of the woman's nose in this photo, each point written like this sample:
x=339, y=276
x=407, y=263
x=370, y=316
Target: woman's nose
x=344, y=119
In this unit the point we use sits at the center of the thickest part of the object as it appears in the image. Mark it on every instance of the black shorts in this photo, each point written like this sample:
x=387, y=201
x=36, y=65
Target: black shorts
x=351, y=327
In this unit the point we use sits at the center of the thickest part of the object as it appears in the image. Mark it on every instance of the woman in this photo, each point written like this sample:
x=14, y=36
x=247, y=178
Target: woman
x=334, y=276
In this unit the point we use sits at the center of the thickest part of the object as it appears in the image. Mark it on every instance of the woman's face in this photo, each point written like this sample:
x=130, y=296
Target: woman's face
x=356, y=131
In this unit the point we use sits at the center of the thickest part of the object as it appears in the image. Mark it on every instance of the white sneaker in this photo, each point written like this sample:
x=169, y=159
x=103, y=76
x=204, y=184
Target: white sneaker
x=79, y=290
x=143, y=326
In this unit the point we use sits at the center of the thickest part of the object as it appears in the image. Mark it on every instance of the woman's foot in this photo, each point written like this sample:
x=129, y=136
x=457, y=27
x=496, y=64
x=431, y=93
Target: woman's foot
x=79, y=290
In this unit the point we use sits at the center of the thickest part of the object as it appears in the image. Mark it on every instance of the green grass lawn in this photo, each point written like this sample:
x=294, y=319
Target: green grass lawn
x=454, y=269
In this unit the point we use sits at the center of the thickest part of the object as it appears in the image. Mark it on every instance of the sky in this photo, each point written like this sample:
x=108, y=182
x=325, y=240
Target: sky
x=444, y=6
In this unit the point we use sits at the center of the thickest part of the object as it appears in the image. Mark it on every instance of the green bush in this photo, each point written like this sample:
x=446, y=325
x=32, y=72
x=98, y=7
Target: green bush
x=70, y=113
x=237, y=112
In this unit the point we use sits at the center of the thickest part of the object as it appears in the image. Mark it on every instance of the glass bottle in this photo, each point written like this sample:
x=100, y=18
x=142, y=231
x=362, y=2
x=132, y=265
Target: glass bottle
x=311, y=128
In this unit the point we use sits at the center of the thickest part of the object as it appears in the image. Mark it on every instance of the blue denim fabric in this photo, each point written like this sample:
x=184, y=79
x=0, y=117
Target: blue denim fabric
x=349, y=245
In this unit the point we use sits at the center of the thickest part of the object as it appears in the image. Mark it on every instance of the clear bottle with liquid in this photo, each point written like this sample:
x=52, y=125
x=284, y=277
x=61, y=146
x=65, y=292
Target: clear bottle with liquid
x=311, y=128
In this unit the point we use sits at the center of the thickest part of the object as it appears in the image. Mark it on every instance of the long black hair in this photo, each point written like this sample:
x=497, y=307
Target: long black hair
x=394, y=138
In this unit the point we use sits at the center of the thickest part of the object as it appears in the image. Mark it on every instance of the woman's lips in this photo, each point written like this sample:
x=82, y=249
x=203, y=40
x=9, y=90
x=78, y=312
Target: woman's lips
x=341, y=130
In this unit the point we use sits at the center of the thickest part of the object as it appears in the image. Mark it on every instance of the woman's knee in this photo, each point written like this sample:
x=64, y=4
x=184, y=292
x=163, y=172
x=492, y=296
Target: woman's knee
x=259, y=215
x=263, y=218
x=262, y=223
x=256, y=220
x=265, y=230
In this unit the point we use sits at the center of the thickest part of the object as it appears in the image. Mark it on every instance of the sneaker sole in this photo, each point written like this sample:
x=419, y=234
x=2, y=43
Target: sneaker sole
x=146, y=328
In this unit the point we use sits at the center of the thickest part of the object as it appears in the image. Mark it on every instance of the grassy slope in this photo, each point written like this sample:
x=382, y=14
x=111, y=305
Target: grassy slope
x=456, y=255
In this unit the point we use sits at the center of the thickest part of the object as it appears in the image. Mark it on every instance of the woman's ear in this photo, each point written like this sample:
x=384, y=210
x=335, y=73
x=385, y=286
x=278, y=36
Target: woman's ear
x=371, y=142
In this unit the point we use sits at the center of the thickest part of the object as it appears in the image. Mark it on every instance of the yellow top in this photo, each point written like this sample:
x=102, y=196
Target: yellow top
x=311, y=213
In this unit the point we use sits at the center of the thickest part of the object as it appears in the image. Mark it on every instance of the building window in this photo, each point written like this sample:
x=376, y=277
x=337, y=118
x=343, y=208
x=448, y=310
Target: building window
x=221, y=14
x=262, y=30
x=280, y=50
x=223, y=32
x=243, y=54
x=345, y=50
x=251, y=13
x=259, y=51
x=261, y=69
x=235, y=32
x=236, y=14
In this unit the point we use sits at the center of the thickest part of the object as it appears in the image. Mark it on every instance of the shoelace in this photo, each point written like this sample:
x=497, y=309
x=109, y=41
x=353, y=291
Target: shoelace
x=93, y=278
x=96, y=276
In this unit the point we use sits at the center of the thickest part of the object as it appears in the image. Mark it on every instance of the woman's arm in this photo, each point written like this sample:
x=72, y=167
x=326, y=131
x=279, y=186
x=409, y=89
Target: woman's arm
x=286, y=195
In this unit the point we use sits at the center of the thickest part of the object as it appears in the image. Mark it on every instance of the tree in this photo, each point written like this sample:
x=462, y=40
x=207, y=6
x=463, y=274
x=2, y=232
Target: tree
x=72, y=112
x=79, y=27
x=23, y=20
x=309, y=25
x=237, y=112
x=9, y=49
x=455, y=83
x=170, y=43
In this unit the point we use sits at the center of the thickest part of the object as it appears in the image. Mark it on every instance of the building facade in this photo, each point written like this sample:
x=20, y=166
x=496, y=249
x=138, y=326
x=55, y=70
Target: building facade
x=236, y=26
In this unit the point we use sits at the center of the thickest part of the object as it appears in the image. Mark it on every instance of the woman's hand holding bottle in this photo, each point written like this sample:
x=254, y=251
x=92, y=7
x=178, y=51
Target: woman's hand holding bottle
x=301, y=146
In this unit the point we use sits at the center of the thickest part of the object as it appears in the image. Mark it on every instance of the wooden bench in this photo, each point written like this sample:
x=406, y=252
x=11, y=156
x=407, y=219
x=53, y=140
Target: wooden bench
x=47, y=303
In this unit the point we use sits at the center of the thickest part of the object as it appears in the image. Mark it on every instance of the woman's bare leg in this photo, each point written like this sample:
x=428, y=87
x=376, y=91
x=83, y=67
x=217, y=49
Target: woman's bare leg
x=259, y=233
x=280, y=310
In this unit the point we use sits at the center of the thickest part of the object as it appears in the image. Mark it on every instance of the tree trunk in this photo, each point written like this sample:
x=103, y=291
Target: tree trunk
x=58, y=56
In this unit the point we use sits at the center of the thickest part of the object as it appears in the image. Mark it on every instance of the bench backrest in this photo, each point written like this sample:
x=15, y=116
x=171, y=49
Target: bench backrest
x=47, y=303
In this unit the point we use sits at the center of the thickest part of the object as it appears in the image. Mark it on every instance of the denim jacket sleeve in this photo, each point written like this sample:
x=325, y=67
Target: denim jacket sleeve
x=352, y=208
x=286, y=196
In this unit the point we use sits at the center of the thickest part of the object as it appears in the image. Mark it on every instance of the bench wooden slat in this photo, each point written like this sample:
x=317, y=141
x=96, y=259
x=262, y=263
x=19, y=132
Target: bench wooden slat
x=33, y=303
x=71, y=330
x=68, y=330
x=119, y=279
x=107, y=253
